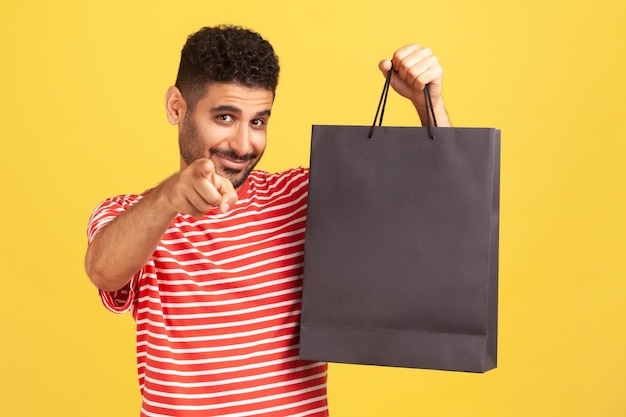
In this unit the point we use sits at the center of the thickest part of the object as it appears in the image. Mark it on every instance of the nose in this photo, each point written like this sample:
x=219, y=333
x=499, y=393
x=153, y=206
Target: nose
x=241, y=140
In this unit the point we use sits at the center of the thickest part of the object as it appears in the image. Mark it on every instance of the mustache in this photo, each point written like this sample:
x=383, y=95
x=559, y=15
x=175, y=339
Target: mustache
x=233, y=155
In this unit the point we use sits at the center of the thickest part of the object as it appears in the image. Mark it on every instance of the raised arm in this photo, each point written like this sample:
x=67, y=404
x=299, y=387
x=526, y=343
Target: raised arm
x=125, y=245
x=413, y=68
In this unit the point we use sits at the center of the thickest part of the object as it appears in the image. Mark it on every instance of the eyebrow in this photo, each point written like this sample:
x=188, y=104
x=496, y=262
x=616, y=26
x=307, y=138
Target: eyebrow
x=233, y=109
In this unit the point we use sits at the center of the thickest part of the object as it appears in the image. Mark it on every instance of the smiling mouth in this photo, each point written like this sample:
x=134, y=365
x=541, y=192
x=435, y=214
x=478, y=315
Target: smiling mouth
x=232, y=165
x=231, y=161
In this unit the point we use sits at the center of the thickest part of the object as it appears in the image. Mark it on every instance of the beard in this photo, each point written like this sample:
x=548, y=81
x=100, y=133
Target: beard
x=191, y=149
x=236, y=176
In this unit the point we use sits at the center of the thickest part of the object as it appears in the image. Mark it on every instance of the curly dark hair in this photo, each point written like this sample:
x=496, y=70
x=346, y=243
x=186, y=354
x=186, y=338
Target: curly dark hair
x=225, y=54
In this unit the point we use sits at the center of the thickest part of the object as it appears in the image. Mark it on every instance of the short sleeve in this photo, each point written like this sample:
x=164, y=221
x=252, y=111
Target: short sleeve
x=121, y=300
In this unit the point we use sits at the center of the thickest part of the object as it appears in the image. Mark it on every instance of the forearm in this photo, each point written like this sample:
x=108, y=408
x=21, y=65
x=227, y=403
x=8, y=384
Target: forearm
x=441, y=115
x=125, y=245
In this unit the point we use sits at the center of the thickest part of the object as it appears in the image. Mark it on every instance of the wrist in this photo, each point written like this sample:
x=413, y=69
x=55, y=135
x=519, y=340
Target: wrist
x=439, y=110
x=159, y=199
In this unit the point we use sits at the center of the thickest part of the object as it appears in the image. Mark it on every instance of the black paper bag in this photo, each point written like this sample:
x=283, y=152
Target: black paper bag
x=401, y=250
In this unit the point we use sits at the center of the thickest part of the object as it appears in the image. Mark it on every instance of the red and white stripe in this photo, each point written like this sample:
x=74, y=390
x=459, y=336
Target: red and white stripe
x=217, y=307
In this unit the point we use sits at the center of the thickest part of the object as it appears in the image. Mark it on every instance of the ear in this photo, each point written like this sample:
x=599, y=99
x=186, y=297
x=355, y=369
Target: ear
x=175, y=105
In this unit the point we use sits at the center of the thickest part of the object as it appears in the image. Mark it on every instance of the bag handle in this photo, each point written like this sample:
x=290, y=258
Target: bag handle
x=430, y=112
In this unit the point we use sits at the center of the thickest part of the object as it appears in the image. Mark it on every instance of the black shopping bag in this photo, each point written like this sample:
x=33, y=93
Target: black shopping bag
x=401, y=250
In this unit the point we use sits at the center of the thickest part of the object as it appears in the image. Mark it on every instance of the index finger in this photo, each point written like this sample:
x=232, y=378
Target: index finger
x=409, y=57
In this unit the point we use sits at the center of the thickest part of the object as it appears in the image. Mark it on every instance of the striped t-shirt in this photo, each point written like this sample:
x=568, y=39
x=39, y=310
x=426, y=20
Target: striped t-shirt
x=217, y=307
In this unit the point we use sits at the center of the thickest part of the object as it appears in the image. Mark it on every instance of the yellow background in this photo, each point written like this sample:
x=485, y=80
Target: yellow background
x=81, y=106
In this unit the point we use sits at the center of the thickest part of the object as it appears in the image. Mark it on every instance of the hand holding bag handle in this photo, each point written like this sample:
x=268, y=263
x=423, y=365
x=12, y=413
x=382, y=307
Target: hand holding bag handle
x=430, y=112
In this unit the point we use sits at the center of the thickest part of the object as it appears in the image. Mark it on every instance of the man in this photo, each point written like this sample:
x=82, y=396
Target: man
x=210, y=261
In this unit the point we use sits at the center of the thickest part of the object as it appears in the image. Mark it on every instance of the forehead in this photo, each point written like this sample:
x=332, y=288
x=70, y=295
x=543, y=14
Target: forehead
x=234, y=94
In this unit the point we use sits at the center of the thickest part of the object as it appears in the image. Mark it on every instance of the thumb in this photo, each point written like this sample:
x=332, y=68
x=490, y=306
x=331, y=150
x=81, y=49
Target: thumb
x=227, y=191
x=384, y=66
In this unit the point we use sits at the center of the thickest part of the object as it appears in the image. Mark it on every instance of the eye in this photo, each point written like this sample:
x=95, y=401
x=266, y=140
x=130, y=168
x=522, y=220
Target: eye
x=225, y=118
x=258, y=123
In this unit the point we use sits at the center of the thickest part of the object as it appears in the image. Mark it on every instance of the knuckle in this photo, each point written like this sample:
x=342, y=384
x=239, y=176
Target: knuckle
x=413, y=73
